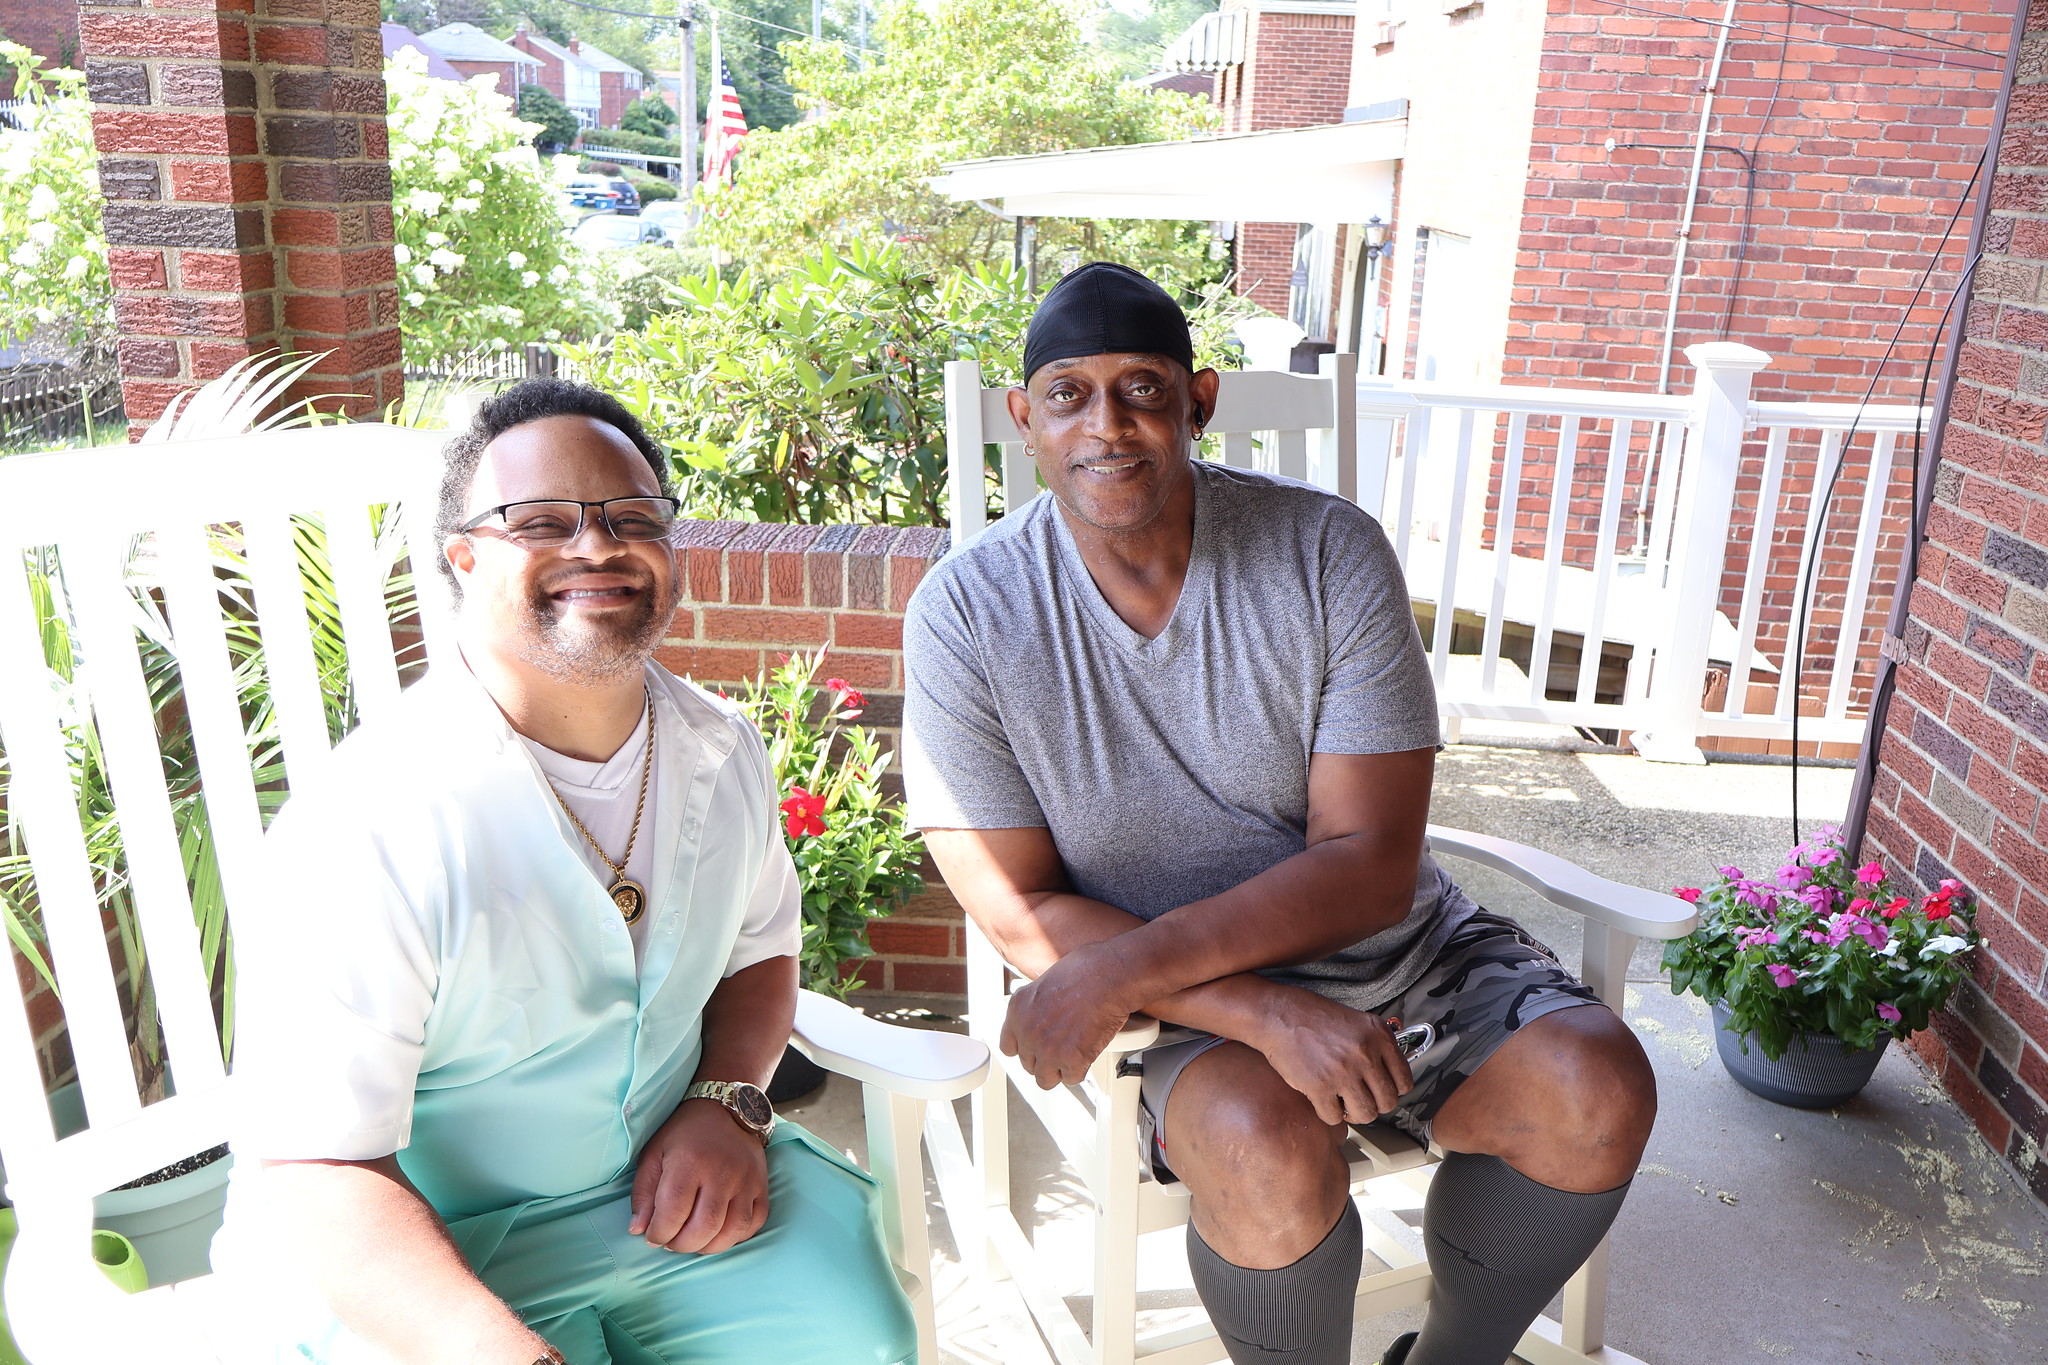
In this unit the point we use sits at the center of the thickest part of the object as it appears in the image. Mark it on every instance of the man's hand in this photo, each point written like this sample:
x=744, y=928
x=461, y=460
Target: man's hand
x=1345, y=1061
x=702, y=1182
x=1059, y=1024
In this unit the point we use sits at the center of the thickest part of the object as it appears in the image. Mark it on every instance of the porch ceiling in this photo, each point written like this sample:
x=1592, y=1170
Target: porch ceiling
x=1337, y=173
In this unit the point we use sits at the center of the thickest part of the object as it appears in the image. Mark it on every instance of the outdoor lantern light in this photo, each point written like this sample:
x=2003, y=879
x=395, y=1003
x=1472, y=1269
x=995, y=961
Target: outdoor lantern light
x=1375, y=236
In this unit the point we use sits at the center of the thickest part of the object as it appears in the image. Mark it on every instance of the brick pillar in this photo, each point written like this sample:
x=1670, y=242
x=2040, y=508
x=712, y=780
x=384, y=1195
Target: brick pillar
x=226, y=136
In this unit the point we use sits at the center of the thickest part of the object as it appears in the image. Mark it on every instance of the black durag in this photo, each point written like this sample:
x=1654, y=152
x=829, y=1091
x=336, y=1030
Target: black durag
x=1104, y=308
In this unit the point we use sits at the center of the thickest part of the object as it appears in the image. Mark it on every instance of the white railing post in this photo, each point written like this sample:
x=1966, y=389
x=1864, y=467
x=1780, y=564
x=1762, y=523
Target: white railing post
x=966, y=483
x=1337, y=444
x=1706, y=500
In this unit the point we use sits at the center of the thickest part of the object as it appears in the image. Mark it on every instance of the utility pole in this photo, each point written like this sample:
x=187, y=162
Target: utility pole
x=689, y=99
x=860, y=55
x=817, y=19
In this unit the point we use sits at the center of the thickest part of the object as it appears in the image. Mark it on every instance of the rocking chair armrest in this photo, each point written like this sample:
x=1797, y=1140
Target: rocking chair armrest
x=1646, y=914
x=923, y=1064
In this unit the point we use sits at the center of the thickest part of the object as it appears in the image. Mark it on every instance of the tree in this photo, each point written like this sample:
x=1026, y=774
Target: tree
x=956, y=80
x=649, y=115
x=558, y=127
x=481, y=257
x=55, y=265
x=1136, y=41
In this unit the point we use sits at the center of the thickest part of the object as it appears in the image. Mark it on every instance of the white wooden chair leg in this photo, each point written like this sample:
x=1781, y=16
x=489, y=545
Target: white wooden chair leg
x=1115, y=1182
x=895, y=1126
x=1585, y=1303
x=990, y=1105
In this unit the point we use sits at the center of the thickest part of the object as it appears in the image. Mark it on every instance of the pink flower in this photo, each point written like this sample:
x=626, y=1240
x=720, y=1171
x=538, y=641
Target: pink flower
x=1753, y=937
x=1889, y=1013
x=1951, y=887
x=1792, y=876
x=1871, y=873
x=1823, y=856
x=1781, y=974
x=1870, y=932
x=849, y=696
x=1689, y=894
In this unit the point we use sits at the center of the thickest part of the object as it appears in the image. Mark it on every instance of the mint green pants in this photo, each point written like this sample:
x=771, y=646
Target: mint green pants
x=813, y=1287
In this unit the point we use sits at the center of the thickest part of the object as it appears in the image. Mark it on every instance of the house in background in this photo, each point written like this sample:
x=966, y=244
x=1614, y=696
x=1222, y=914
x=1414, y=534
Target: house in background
x=618, y=83
x=398, y=36
x=563, y=74
x=48, y=28
x=473, y=52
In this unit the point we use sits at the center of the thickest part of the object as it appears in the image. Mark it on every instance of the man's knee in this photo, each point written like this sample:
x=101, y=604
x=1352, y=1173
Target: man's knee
x=1605, y=1078
x=1232, y=1121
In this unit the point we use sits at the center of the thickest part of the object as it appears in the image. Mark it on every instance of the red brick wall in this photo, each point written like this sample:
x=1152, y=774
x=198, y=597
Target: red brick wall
x=1861, y=162
x=551, y=78
x=613, y=95
x=48, y=28
x=506, y=72
x=755, y=593
x=1963, y=764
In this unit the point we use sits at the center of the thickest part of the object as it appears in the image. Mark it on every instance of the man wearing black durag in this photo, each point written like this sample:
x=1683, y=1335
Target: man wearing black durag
x=1170, y=734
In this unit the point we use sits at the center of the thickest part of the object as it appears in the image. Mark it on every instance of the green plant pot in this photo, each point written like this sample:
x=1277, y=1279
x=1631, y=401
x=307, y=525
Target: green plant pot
x=1818, y=1071
x=115, y=1253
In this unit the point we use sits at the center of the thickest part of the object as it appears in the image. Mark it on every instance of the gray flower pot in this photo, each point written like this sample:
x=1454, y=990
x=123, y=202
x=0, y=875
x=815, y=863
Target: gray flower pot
x=1818, y=1071
x=171, y=1222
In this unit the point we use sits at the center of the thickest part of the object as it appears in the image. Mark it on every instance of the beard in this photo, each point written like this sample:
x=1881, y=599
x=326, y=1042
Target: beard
x=573, y=647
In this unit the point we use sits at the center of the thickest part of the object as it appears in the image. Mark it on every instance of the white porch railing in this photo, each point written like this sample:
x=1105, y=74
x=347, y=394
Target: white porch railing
x=1644, y=565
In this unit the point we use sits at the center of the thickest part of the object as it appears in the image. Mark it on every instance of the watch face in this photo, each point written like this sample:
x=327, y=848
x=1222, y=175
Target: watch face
x=750, y=1104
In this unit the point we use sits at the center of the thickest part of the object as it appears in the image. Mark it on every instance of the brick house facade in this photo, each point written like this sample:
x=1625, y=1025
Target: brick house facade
x=48, y=28
x=1959, y=783
x=1294, y=74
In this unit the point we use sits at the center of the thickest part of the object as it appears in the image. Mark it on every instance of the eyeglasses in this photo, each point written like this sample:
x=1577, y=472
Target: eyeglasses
x=539, y=525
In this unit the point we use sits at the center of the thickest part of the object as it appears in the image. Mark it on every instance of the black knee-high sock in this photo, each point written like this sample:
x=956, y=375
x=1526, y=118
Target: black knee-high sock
x=1500, y=1245
x=1299, y=1314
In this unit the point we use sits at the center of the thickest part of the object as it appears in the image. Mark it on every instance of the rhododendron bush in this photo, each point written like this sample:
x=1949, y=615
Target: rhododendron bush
x=1819, y=946
x=482, y=263
x=55, y=271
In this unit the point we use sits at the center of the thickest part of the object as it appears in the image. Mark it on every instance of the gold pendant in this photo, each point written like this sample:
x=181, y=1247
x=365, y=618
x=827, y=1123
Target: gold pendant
x=631, y=900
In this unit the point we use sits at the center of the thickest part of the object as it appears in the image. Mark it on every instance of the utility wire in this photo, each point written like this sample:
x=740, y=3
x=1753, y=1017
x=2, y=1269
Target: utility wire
x=729, y=13
x=1849, y=18
x=1872, y=487
x=1756, y=144
x=1906, y=52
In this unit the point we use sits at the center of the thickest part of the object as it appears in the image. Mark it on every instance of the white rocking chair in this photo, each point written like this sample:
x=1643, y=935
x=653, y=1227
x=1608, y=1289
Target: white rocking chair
x=92, y=506
x=1095, y=1127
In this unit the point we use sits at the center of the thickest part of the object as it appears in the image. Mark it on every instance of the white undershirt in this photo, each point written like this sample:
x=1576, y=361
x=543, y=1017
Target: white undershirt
x=604, y=797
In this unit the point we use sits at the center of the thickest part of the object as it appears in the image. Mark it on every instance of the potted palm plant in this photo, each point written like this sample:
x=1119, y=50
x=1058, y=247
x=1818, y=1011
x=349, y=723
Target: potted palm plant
x=1814, y=968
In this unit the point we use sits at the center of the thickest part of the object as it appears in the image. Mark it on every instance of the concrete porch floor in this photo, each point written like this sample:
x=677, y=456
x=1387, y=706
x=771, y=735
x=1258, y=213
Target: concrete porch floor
x=1882, y=1231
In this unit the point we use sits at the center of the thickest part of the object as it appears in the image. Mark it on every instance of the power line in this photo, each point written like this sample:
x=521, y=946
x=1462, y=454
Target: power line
x=729, y=13
x=1847, y=17
x=1905, y=52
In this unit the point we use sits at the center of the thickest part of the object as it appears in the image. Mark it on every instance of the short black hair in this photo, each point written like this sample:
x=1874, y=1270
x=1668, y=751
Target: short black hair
x=530, y=400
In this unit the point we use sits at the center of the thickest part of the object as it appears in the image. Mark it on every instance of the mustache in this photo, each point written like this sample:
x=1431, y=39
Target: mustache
x=637, y=574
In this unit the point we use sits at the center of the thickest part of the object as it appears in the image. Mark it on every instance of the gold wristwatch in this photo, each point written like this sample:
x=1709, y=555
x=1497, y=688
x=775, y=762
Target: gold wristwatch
x=746, y=1103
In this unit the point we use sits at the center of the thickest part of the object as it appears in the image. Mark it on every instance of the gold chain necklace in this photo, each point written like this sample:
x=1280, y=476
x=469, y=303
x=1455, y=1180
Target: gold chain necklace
x=627, y=894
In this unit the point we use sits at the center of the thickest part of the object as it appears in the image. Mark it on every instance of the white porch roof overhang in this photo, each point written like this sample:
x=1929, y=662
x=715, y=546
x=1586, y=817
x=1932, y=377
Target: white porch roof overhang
x=1336, y=173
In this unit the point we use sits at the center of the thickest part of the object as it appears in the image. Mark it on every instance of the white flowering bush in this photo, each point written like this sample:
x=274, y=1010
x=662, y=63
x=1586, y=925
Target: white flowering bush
x=482, y=264
x=55, y=269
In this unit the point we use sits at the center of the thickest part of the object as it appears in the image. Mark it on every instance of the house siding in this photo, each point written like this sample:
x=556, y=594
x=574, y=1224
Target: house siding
x=1961, y=777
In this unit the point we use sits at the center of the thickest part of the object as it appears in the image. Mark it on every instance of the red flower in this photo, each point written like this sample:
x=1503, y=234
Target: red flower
x=1689, y=894
x=803, y=813
x=1937, y=908
x=1893, y=907
x=849, y=696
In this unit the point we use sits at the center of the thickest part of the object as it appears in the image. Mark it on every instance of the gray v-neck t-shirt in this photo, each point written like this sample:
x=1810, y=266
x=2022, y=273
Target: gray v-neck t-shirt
x=1172, y=769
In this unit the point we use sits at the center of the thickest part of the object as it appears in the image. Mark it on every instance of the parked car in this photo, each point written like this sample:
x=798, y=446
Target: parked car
x=672, y=214
x=617, y=232
x=628, y=198
x=593, y=192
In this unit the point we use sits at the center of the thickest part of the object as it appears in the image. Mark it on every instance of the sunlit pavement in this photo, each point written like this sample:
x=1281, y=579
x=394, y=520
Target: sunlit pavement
x=1883, y=1231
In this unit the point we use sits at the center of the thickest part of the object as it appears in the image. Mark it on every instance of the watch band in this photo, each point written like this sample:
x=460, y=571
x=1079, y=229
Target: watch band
x=746, y=1102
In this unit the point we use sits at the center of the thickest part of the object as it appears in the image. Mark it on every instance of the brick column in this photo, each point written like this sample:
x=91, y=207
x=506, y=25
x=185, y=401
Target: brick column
x=242, y=154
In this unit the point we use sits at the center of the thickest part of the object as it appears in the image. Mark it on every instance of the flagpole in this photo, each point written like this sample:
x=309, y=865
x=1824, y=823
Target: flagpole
x=689, y=101
x=714, y=132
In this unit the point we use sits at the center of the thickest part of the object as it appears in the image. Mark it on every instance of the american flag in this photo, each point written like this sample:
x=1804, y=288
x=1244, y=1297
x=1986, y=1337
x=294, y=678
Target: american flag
x=724, y=124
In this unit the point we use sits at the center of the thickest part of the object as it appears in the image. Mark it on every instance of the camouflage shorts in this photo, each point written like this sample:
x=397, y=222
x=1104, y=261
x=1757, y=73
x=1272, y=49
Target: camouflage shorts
x=1491, y=978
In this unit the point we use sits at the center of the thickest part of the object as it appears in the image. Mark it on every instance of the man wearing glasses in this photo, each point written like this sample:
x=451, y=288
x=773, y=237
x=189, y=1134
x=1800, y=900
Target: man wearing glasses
x=505, y=1038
